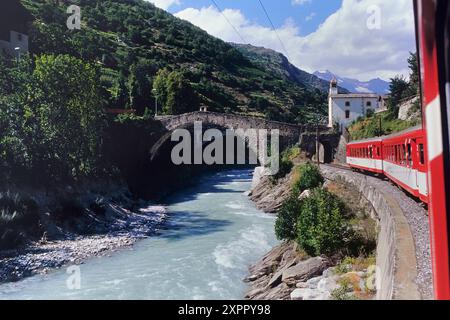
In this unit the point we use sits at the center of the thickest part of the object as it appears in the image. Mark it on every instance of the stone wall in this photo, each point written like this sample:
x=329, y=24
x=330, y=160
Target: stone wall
x=404, y=111
x=396, y=259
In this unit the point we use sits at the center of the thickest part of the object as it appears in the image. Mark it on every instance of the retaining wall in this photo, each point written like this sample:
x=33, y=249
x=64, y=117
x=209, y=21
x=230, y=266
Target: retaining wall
x=396, y=256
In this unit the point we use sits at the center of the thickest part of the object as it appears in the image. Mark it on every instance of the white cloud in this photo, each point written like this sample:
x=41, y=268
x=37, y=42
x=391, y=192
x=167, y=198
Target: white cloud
x=310, y=16
x=342, y=43
x=300, y=2
x=164, y=4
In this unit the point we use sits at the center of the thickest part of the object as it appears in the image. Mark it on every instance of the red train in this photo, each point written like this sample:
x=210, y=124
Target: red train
x=401, y=157
x=418, y=159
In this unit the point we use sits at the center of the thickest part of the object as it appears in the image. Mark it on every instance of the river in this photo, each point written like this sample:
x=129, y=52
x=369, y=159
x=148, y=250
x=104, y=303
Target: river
x=213, y=234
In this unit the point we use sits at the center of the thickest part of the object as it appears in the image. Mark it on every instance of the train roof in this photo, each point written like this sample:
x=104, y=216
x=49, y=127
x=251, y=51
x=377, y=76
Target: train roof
x=393, y=135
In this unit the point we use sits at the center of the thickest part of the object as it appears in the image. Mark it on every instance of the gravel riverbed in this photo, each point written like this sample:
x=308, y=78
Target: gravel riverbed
x=120, y=228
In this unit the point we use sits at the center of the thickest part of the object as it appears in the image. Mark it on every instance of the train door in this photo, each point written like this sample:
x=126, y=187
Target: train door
x=419, y=161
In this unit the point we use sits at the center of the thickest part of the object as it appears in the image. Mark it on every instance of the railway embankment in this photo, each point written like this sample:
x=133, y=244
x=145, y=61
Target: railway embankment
x=403, y=252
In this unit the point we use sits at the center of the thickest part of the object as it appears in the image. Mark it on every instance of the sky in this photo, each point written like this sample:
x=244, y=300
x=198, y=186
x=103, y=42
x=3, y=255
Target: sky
x=362, y=39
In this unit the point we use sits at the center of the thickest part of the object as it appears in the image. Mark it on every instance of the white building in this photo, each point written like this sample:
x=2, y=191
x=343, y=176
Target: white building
x=15, y=44
x=345, y=108
x=14, y=20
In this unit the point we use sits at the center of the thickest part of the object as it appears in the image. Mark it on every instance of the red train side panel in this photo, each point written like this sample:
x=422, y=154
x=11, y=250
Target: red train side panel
x=433, y=31
x=366, y=155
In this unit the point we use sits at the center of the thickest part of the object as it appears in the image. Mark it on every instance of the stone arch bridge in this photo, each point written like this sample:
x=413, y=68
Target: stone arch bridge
x=289, y=134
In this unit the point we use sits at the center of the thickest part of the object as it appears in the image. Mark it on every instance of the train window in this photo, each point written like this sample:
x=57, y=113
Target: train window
x=395, y=154
x=409, y=159
x=370, y=153
x=403, y=155
x=421, y=154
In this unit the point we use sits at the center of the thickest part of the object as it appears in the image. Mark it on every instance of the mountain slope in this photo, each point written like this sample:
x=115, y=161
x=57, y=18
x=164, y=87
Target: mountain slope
x=374, y=86
x=132, y=39
x=280, y=65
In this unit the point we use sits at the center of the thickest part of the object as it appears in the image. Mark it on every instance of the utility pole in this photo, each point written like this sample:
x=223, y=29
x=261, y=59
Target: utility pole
x=156, y=102
x=380, y=128
x=317, y=142
x=17, y=49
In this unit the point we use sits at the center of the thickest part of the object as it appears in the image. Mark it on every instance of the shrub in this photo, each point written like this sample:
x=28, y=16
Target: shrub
x=17, y=215
x=69, y=208
x=98, y=206
x=321, y=227
x=285, y=163
x=309, y=177
x=17, y=211
x=285, y=225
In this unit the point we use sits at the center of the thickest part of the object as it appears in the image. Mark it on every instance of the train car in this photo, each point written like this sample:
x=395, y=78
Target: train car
x=366, y=155
x=433, y=34
x=404, y=161
x=401, y=157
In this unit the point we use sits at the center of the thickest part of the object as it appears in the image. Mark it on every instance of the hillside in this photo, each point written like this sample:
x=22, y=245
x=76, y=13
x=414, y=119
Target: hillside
x=353, y=85
x=280, y=65
x=132, y=40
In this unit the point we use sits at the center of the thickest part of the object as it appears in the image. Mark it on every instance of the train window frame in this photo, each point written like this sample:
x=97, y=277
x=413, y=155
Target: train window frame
x=403, y=154
x=421, y=148
x=409, y=160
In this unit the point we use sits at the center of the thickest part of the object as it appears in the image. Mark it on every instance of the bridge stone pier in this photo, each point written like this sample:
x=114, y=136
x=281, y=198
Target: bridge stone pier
x=289, y=134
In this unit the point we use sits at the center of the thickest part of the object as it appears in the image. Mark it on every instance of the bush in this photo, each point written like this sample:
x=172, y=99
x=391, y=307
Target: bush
x=285, y=225
x=309, y=177
x=98, y=207
x=285, y=162
x=321, y=227
x=17, y=215
x=17, y=211
x=69, y=208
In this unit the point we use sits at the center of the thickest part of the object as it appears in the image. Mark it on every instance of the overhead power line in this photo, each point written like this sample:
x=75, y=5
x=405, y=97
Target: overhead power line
x=228, y=21
x=274, y=29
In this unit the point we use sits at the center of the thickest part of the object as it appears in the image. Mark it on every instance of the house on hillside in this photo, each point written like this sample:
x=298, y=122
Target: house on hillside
x=343, y=109
x=14, y=22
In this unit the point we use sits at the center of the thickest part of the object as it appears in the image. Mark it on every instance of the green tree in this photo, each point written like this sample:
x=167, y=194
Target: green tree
x=66, y=104
x=285, y=225
x=309, y=177
x=414, y=76
x=174, y=92
x=397, y=87
x=139, y=88
x=180, y=96
x=321, y=227
x=160, y=85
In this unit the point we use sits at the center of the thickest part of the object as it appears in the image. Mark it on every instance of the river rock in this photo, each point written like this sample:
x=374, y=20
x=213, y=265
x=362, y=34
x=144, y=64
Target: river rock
x=313, y=282
x=327, y=284
x=305, y=195
x=308, y=294
x=304, y=270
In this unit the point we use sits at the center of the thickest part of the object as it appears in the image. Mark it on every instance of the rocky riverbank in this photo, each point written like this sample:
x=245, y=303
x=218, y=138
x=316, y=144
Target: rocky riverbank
x=287, y=273
x=267, y=194
x=116, y=228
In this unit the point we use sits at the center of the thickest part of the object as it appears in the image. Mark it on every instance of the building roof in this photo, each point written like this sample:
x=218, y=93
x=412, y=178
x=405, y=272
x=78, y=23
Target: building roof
x=355, y=95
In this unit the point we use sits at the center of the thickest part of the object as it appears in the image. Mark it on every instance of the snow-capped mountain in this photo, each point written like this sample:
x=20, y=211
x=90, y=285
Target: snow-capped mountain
x=378, y=85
